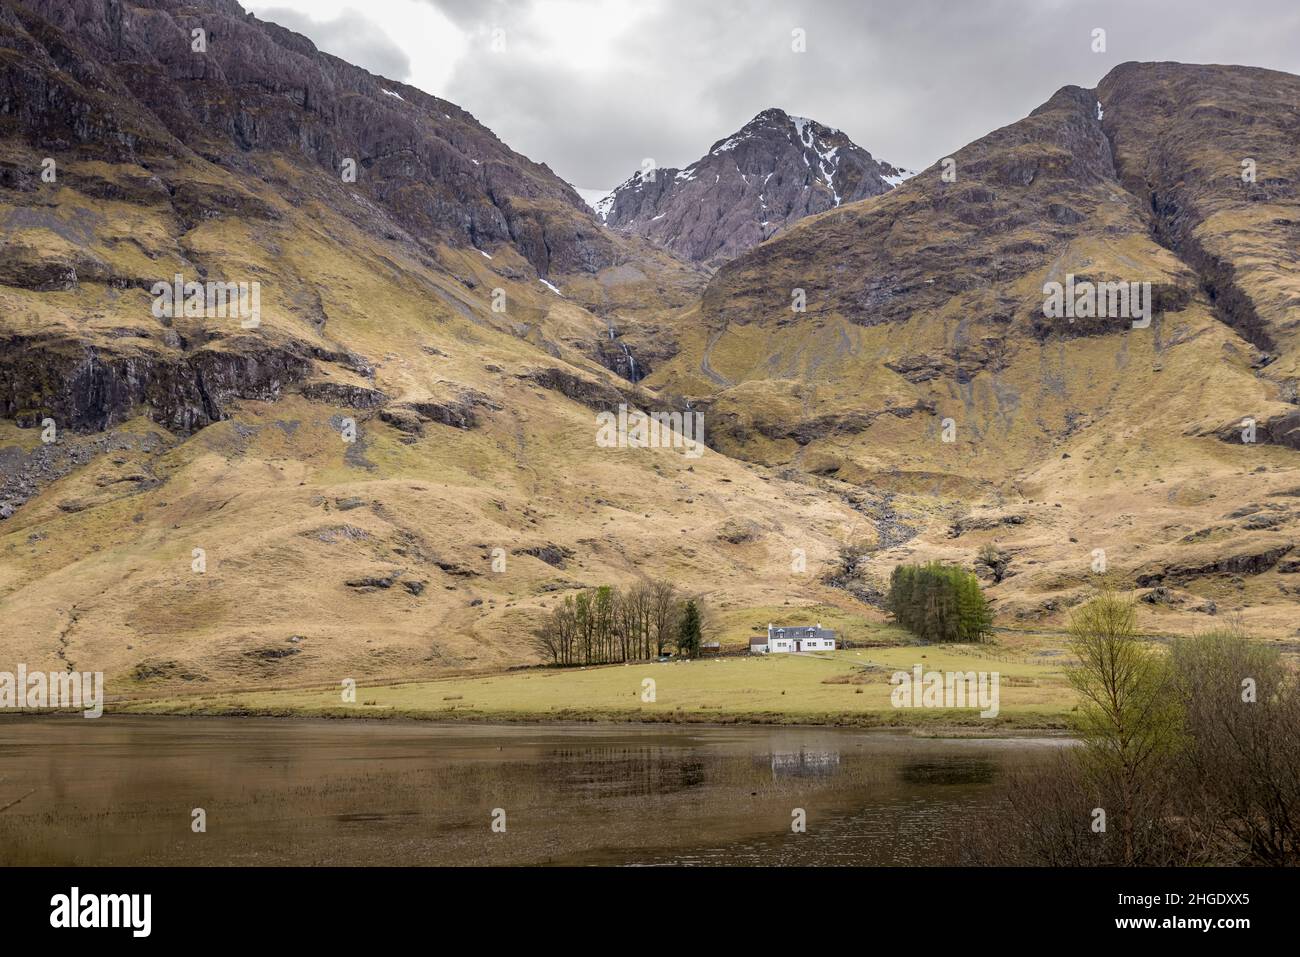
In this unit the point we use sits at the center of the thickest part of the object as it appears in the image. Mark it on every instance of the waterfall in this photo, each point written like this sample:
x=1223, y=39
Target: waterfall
x=631, y=363
x=627, y=353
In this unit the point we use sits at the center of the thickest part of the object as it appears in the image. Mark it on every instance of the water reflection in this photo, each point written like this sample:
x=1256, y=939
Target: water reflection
x=121, y=791
x=804, y=764
x=624, y=771
x=956, y=771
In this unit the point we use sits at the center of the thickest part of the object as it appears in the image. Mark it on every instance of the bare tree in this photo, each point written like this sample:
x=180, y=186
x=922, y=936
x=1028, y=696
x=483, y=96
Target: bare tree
x=633, y=621
x=554, y=635
x=665, y=606
x=1241, y=763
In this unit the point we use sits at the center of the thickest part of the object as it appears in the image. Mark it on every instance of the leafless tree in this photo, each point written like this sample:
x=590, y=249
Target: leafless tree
x=665, y=606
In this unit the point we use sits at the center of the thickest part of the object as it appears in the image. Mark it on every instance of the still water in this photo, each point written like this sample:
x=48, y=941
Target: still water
x=124, y=791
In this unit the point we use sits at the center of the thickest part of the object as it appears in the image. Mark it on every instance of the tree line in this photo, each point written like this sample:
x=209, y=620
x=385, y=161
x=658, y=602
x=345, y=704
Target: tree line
x=604, y=625
x=940, y=603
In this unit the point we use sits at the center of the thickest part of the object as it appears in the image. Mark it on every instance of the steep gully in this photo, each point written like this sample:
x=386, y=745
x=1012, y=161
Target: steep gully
x=1173, y=227
x=1173, y=224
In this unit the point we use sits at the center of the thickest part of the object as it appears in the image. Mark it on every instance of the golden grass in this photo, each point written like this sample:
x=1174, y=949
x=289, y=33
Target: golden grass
x=843, y=687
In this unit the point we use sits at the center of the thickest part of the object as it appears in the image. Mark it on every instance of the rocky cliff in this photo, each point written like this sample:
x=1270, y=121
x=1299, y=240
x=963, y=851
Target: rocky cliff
x=124, y=81
x=774, y=171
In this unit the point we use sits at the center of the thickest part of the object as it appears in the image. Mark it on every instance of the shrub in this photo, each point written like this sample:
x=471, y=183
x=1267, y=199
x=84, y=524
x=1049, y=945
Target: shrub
x=1191, y=756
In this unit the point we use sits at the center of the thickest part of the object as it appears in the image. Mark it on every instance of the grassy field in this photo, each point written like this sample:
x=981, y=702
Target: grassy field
x=850, y=687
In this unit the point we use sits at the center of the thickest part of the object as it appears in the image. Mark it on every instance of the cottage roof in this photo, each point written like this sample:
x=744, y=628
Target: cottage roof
x=800, y=631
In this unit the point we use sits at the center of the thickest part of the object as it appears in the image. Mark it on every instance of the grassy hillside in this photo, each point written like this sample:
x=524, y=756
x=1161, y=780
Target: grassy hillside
x=475, y=432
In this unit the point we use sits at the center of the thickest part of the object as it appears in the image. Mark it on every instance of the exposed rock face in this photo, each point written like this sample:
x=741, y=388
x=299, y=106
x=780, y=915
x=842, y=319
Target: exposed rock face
x=1019, y=196
x=24, y=474
x=457, y=411
x=618, y=356
x=774, y=171
x=204, y=143
x=1249, y=562
x=1281, y=430
x=123, y=83
x=85, y=390
x=553, y=555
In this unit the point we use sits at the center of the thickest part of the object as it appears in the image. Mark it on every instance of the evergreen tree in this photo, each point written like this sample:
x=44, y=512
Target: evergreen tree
x=688, y=631
x=939, y=603
x=973, y=610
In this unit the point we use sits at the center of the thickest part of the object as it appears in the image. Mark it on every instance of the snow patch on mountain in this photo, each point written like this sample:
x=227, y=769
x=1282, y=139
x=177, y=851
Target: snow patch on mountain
x=599, y=200
x=774, y=170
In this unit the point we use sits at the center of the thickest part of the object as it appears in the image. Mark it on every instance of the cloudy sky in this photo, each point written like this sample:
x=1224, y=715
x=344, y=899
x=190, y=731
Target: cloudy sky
x=592, y=87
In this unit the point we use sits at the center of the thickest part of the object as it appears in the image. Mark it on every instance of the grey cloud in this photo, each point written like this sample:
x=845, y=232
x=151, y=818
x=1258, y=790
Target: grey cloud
x=351, y=37
x=910, y=81
x=475, y=13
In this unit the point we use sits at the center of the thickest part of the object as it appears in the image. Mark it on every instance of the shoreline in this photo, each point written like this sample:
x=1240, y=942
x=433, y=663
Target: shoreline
x=928, y=727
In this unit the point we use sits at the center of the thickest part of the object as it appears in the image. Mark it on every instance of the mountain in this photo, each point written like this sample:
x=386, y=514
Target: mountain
x=926, y=321
x=774, y=171
x=386, y=474
x=396, y=469
x=140, y=89
x=122, y=84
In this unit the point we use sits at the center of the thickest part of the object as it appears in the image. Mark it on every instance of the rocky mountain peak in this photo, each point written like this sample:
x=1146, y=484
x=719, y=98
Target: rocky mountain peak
x=773, y=171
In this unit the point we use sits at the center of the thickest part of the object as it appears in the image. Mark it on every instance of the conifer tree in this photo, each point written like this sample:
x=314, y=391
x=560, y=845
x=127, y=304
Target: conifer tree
x=688, y=631
x=939, y=603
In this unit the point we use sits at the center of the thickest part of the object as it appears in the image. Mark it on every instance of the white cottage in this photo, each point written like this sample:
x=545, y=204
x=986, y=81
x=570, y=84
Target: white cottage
x=793, y=638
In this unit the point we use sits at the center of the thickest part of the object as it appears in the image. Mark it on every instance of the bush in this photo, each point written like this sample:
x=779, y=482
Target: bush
x=1191, y=756
x=1241, y=758
x=939, y=602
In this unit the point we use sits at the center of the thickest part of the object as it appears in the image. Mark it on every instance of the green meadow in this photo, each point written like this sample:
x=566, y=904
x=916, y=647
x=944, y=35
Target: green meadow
x=848, y=687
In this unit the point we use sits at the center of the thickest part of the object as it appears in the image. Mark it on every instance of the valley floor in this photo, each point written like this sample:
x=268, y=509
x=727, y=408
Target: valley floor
x=847, y=688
